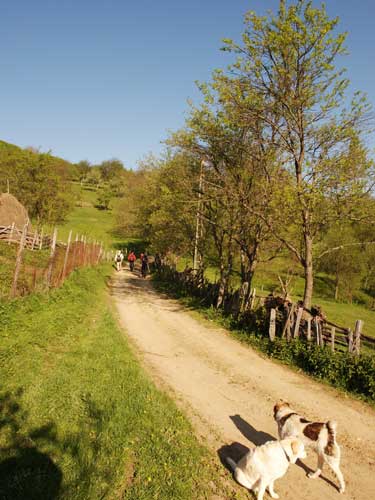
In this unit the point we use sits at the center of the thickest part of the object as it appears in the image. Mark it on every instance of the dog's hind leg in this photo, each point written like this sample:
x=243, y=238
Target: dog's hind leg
x=261, y=490
x=272, y=491
x=334, y=463
x=314, y=475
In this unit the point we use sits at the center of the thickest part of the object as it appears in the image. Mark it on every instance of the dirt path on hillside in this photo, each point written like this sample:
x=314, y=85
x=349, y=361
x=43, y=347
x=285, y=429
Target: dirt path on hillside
x=229, y=390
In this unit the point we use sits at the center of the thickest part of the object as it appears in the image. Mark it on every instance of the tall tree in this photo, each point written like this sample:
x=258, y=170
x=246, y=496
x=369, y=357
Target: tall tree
x=286, y=77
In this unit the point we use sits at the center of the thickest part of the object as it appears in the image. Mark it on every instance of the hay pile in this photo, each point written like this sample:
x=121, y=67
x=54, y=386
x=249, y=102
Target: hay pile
x=11, y=210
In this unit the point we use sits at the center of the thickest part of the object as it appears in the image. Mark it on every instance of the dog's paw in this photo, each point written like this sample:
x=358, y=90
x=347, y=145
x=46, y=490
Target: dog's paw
x=312, y=475
x=274, y=495
x=342, y=489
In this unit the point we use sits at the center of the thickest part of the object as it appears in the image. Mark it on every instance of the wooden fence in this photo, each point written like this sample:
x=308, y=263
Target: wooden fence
x=279, y=317
x=33, y=240
x=57, y=259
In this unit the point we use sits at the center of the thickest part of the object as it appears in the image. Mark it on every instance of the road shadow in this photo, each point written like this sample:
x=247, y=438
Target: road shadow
x=26, y=472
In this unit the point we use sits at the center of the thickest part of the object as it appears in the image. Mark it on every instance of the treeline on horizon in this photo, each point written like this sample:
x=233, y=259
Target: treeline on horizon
x=272, y=162
x=43, y=183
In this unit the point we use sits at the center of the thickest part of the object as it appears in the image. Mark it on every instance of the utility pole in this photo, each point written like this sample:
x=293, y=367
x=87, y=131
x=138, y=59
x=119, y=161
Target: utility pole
x=198, y=224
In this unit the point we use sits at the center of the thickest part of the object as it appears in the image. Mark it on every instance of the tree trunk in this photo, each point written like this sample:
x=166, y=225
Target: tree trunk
x=308, y=268
x=337, y=286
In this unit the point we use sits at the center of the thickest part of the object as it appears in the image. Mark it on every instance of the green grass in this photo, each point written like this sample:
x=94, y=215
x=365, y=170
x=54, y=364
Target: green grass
x=78, y=417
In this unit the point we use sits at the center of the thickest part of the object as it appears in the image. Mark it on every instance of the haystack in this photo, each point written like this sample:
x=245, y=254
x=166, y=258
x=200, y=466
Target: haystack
x=11, y=210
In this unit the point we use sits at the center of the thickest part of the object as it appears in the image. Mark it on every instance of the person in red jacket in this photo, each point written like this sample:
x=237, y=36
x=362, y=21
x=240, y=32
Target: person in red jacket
x=132, y=258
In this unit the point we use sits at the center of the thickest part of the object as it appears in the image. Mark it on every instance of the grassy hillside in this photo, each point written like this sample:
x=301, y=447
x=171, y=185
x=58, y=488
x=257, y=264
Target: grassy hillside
x=95, y=223
x=79, y=418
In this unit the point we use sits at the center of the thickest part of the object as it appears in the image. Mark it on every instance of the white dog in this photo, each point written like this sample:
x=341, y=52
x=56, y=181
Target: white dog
x=320, y=436
x=260, y=467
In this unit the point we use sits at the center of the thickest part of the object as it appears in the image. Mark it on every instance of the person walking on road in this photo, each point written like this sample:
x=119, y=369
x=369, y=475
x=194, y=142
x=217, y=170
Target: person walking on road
x=144, y=265
x=131, y=259
x=119, y=257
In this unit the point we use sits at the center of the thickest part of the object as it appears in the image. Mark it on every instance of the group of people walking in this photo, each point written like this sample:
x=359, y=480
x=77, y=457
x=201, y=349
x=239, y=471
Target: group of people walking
x=120, y=256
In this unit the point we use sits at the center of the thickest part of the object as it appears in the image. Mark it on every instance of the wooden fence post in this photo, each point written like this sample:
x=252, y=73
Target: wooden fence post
x=333, y=333
x=357, y=336
x=66, y=256
x=41, y=240
x=51, y=257
x=11, y=233
x=308, y=329
x=34, y=239
x=317, y=331
x=350, y=340
x=17, y=269
x=272, y=328
x=298, y=321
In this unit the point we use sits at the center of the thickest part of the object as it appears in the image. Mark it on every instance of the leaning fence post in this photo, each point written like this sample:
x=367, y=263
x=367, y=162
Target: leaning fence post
x=357, y=336
x=317, y=331
x=272, y=329
x=66, y=256
x=51, y=257
x=17, y=269
x=350, y=340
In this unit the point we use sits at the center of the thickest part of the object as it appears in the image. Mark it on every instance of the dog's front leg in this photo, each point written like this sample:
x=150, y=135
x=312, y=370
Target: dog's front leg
x=261, y=490
x=313, y=475
x=272, y=491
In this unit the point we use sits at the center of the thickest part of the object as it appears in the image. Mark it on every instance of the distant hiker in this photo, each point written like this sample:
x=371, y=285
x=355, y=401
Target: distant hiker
x=144, y=265
x=131, y=259
x=119, y=257
x=157, y=262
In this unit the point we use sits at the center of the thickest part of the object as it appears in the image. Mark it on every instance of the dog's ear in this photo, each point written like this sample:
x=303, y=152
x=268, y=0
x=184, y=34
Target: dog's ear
x=277, y=407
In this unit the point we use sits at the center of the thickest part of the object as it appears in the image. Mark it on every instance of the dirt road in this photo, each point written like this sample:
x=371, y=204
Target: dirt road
x=228, y=390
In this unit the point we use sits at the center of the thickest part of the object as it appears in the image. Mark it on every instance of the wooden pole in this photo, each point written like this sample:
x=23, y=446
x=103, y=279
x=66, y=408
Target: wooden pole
x=309, y=329
x=41, y=240
x=298, y=321
x=272, y=328
x=198, y=221
x=333, y=333
x=317, y=332
x=51, y=257
x=357, y=336
x=17, y=268
x=350, y=340
x=66, y=256
x=34, y=239
x=11, y=234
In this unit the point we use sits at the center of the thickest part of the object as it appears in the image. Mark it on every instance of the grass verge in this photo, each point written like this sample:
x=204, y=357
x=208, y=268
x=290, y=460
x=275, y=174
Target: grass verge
x=78, y=417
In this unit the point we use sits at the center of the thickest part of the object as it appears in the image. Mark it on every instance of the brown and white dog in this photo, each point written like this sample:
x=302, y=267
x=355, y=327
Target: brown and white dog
x=260, y=467
x=320, y=436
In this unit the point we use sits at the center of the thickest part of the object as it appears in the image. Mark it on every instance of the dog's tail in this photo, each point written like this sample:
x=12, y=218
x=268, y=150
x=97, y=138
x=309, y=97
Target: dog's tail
x=232, y=464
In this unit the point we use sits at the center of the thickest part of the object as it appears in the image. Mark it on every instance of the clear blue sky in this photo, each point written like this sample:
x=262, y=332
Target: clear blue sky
x=96, y=79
